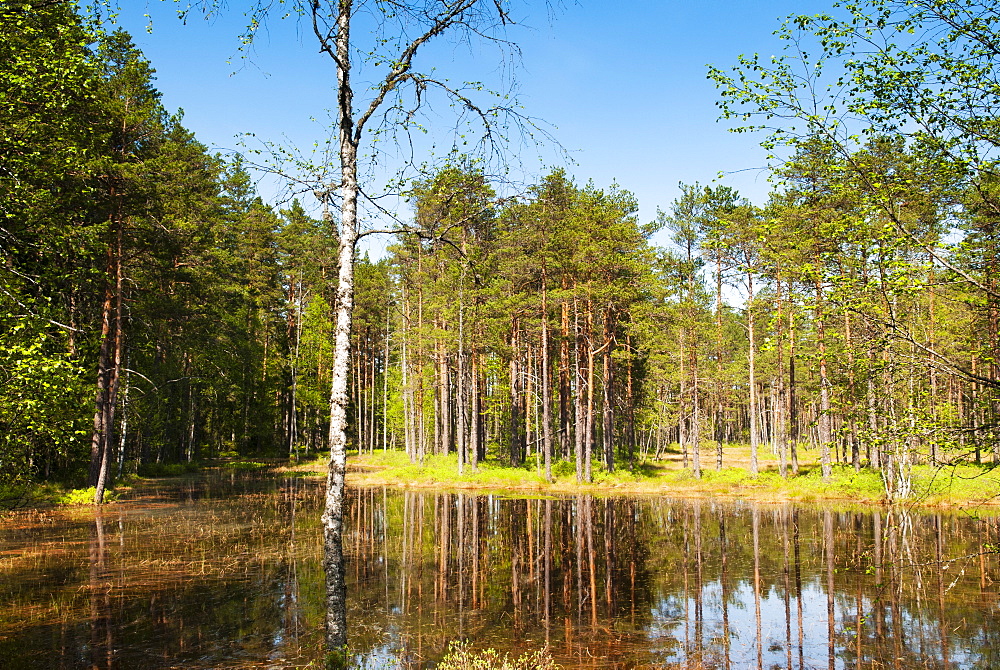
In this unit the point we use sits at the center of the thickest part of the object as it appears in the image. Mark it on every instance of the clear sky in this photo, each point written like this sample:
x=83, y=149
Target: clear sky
x=623, y=85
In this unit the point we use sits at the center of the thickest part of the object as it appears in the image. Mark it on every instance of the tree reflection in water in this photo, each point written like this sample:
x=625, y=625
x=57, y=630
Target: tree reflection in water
x=228, y=573
x=637, y=582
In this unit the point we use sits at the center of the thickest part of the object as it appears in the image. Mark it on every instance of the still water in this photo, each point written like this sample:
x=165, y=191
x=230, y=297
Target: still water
x=224, y=572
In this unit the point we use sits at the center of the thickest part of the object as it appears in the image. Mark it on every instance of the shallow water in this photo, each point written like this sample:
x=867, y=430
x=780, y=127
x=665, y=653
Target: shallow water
x=225, y=572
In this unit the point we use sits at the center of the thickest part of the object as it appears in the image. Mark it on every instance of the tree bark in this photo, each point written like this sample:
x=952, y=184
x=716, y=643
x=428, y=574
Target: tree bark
x=333, y=509
x=824, y=387
x=109, y=365
x=546, y=393
x=608, y=428
x=754, y=436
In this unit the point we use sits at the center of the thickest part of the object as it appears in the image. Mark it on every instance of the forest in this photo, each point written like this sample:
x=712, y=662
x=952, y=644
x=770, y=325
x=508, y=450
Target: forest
x=156, y=310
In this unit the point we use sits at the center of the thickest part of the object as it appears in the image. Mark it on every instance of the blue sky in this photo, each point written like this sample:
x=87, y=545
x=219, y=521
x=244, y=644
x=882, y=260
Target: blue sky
x=625, y=89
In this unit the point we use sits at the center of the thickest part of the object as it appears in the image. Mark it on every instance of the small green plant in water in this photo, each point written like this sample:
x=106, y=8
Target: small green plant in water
x=337, y=659
x=462, y=657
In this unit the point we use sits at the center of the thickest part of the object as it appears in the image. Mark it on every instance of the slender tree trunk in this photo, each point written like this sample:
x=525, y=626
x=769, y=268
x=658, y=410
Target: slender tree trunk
x=682, y=396
x=781, y=404
x=694, y=431
x=477, y=419
x=608, y=431
x=109, y=366
x=578, y=431
x=385, y=383
x=546, y=399
x=333, y=510
x=124, y=431
x=589, y=430
x=516, y=420
x=409, y=438
x=852, y=393
x=754, y=435
x=460, y=386
x=719, y=412
x=564, y=379
x=824, y=387
x=630, y=404
x=793, y=407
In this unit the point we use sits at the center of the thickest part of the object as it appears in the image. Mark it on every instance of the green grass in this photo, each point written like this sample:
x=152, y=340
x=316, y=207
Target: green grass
x=168, y=469
x=443, y=469
x=978, y=483
x=933, y=486
x=246, y=465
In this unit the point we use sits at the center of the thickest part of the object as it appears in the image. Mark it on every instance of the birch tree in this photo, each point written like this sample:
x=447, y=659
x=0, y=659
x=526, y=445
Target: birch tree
x=384, y=50
x=403, y=29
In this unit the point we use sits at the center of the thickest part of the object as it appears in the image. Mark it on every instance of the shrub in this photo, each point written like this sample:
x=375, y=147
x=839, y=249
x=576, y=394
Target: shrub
x=83, y=496
x=563, y=469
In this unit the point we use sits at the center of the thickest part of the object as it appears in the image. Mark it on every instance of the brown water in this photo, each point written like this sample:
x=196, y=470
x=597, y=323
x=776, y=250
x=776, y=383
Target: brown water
x=225, y=572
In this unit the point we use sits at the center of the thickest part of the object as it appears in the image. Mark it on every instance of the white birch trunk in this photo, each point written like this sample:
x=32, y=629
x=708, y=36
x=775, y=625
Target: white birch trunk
x=333, y=510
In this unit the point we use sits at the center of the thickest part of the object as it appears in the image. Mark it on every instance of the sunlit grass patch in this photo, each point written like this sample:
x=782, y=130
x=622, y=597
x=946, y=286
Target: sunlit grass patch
x=443, y=469
x=246, y=465
x=727, y=477
x=948, y=483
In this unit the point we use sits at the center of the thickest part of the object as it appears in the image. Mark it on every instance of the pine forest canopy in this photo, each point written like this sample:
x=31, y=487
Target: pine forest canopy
x=855, y=312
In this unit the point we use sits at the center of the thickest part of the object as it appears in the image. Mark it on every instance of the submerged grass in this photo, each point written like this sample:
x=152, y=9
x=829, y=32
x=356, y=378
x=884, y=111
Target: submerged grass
x=461, y=656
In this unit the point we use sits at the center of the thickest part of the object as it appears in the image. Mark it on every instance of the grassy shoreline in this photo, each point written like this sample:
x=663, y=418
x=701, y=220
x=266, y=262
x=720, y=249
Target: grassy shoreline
x=953, y=487
x=964, y=486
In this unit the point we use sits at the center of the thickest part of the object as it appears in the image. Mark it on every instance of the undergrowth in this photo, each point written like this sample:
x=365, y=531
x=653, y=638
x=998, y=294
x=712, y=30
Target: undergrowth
x=83, y=496
x=168, y=469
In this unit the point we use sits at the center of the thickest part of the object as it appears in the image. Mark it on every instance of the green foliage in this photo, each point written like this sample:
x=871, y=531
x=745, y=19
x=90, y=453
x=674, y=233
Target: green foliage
x=40, y=399
x=563, y=469
x=83, y=496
